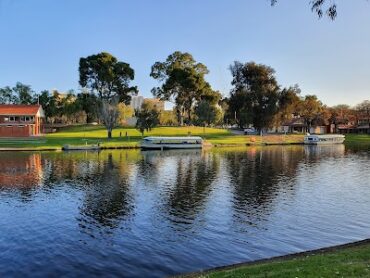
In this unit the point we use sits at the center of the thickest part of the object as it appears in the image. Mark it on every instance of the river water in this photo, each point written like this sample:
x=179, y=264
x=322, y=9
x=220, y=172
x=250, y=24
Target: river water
x=154, y=214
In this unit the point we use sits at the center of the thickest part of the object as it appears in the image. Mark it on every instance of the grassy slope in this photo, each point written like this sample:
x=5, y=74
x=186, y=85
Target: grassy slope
x=79, y=135
x=357, y=138
x=347, y=262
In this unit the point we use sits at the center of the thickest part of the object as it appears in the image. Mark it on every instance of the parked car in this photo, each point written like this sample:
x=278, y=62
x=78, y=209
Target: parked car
x=249, y=130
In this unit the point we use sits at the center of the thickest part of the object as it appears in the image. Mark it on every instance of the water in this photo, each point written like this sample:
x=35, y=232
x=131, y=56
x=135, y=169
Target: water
x=154, y=214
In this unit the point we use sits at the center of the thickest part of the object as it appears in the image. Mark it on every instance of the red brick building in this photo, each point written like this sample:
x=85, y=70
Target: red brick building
x=21, y=120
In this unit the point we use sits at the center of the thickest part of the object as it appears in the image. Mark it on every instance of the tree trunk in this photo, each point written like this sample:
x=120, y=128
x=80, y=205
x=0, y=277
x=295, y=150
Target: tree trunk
x=109, y=134
x=189, y=116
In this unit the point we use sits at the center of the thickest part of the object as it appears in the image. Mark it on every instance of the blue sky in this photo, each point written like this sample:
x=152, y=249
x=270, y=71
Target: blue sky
x=42, y=41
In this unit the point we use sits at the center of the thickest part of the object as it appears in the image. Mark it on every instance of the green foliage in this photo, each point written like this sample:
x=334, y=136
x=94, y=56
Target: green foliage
x=182, y=82
x=7, y=96
x=24, y=93
x=125, y=112
x=254, y=96
x=320, y=7
x=147, y=118
x=104, y=75
x=206, y=113
x=168, y=118
x=19, y=94
x=310, y=108
x=288, y=104
x=110, y=79
x=89, y=104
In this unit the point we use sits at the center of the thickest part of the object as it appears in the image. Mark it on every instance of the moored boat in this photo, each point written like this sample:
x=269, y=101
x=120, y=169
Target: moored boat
x=81, y=148
x=324, y=139
x=163, y=143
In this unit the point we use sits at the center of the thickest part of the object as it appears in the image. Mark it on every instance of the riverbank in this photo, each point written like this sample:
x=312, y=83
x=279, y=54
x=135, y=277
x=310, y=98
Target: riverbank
x=129, y=138
x=349, y=260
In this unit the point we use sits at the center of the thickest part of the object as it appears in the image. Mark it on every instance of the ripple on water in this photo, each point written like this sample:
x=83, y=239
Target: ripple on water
x=156, y=214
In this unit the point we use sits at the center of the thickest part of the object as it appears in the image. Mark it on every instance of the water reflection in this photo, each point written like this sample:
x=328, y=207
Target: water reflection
x=185, y=180
x=20, y=170
x=107, y=198
x=257, y=175
x=162, y=213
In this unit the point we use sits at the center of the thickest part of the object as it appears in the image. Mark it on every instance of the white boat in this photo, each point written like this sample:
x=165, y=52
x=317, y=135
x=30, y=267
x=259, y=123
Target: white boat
x=324, y=139
x=163, y=143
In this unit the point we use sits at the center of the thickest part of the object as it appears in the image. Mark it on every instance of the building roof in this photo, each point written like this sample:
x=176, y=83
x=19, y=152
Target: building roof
x=20, y=109
x=296, y=122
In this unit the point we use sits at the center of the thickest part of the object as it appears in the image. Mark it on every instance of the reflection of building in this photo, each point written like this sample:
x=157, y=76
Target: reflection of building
x=18, y=170
x=21, y=120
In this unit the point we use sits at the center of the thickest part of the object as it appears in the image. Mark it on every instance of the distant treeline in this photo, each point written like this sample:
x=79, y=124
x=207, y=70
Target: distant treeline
x=256, y=99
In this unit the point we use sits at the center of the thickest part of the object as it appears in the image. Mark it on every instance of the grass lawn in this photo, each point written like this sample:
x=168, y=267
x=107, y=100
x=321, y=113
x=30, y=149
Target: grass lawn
x=80, y=135
x=351, y=261
x=88, y=134
x=357, y=138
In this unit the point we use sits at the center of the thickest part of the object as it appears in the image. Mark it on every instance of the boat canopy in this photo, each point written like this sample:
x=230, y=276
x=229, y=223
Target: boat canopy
x=325, y=136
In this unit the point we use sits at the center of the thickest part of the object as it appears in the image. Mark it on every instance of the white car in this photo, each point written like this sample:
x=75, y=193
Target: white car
x=250, y=130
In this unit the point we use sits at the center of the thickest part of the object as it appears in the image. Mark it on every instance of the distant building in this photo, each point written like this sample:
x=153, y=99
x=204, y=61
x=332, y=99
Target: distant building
x=137, y=102
x=21, y=120
x=298, y=125
x=360, y=124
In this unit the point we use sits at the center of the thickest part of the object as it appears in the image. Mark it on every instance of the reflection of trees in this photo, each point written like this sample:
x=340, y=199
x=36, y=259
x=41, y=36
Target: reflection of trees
x=258, y=175
x=104, y=180
x=106, y=194
x=191, y=187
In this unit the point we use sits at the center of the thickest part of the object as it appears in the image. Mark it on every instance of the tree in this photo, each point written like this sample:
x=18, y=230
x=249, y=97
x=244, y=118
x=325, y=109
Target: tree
x=7, y=96
x=110, y=79
x=109, y=115
x=310, y=108
x=19, y=94
x=48, y=104
x=287, y=104
x=147, y=118
x=125, y=111
x=88, y=103
x=182, y=82
x=254, y=94
x=105, y=75
x=239, y=109
x=168, y=118
x=339, y=114
x=24, y=93
x=320, y=7
x=206, y=113
x=363, y=112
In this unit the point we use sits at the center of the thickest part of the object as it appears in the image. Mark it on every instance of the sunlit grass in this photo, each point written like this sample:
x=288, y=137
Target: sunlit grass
x=130, y=137
x=348, y=262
